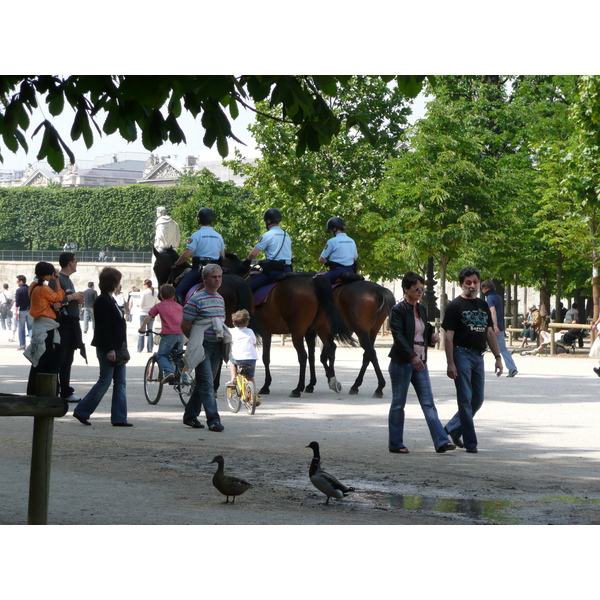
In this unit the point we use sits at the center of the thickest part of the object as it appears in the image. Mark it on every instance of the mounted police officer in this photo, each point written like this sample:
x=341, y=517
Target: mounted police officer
x=340, y=253
x=205, y=246
x=277, y=246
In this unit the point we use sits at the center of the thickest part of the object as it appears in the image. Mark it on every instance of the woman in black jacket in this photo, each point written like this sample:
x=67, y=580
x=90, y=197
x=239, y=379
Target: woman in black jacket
x=412, y=335
x=110, y=339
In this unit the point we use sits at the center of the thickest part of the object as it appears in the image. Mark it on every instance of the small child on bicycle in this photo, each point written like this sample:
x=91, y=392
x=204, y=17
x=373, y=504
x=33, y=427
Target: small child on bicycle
x=243, y=346
x=171, y=337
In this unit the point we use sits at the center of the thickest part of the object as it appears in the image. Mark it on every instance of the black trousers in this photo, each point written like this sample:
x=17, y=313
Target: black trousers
x=49, y=363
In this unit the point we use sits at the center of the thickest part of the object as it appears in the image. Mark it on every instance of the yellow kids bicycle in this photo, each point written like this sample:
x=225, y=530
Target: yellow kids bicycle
x=242, y=391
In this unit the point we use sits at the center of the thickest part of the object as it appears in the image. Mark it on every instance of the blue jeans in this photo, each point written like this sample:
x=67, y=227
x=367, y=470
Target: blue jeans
x=402, y=375
x=335, y=273
x=24, y=318
x=88, y=317
x=108, y=372
x=214, y=356
x=264, y=279
x=203, y=395
x=5, y=316
x=191, y=279
x=150, y=343
x=470, y=384
x=508, y=359
x=168, y=343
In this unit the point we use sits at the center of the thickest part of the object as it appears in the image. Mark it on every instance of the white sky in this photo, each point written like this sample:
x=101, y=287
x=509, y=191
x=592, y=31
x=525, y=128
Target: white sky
x=324, y=37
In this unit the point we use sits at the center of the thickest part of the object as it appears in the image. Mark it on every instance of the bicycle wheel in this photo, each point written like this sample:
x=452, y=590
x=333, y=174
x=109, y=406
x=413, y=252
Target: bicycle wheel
x=249, y=397
x=186, y=387
x=153, y=385
x=234, y=400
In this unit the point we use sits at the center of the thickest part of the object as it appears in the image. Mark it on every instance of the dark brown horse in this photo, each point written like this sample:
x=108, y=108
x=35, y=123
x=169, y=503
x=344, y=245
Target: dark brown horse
x=235, y=291
x=299, y=305
x=365, y=306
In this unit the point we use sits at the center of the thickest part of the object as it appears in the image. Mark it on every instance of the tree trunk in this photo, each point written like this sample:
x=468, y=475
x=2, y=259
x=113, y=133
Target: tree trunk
x=559, y=271
x=515, y=312
x=443, y=295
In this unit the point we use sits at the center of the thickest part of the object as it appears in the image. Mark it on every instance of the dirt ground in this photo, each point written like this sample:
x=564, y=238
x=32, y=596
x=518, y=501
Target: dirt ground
x=537, y=461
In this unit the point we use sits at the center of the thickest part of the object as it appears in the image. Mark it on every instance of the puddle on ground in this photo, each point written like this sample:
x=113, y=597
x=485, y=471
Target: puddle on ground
x=489, y=510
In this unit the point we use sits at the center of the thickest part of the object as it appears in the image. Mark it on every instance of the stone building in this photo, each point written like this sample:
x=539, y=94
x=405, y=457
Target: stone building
x=118, y=169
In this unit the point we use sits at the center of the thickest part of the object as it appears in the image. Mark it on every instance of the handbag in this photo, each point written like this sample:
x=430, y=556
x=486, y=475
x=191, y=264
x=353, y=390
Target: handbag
x=122, y=356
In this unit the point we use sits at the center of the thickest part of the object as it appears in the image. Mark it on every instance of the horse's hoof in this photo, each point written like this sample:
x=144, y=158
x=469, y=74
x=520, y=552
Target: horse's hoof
x=264, y=392
x=310, y=389
x=378, y=394
x=335, y=385
x=353, y=391
x=295, y=394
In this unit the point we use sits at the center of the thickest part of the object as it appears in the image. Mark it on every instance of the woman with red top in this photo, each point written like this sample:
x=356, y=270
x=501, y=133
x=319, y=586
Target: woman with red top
x=41, y=352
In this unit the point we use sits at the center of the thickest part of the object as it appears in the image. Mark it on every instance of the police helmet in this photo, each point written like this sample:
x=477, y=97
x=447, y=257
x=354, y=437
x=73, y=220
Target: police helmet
x=206, y=216
x=335, y=223
x=272, y=215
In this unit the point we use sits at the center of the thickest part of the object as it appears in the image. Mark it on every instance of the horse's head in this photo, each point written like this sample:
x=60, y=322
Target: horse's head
x=164, y=261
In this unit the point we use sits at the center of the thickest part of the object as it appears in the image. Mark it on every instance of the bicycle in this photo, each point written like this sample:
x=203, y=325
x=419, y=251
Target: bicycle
x=243, y=391
x=183, y=383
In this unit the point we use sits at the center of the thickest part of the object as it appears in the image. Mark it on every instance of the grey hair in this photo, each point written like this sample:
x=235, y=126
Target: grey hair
x=208, y=270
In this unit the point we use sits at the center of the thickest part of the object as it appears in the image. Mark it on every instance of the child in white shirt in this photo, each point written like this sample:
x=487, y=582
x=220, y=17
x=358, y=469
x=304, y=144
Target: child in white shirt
x=243, y=346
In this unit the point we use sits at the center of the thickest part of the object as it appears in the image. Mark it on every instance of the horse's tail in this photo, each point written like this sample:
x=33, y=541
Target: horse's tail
x=387, y=300
x=245, y=299
x=338, y=326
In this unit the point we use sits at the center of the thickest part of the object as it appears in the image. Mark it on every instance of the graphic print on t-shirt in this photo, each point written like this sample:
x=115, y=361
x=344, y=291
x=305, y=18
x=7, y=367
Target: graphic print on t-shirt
x=475, y=320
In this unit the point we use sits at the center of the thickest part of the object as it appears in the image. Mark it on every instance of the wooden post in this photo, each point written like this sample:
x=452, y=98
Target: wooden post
x=41, y=455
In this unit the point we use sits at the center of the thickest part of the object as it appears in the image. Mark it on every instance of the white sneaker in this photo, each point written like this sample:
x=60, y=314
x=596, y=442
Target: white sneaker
x=73, y=398
x=168, y=378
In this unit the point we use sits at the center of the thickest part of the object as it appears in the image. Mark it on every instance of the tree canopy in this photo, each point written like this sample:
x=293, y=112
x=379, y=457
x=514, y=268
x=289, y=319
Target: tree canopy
x=152, y=104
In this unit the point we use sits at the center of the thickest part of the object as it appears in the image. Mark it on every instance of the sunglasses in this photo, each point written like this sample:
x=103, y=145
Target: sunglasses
x=418, y=289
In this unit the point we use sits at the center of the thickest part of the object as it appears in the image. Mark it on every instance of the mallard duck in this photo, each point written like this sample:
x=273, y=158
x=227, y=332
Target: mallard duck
x=227, y=485
x=323, y=481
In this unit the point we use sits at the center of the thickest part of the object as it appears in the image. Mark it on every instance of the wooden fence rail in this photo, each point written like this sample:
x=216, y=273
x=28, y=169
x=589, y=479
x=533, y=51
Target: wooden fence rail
x=44, y=408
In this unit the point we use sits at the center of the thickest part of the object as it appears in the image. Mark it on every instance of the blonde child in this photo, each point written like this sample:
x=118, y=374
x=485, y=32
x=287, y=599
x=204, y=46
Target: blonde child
x=243, y=346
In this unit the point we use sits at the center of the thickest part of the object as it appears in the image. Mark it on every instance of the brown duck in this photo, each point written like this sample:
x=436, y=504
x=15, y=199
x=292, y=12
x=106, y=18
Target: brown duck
x=227, y=485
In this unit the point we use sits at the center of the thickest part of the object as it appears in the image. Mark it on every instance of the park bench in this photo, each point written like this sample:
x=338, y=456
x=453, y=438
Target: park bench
x=44, y=408
x=516, y=331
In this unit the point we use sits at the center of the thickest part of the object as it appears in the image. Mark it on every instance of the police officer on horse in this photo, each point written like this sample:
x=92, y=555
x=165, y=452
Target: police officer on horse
x=340, y=253
x=204, y=246
x=277, y=246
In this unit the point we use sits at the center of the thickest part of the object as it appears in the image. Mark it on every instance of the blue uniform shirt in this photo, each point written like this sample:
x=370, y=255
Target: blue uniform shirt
x=276, y=244
x=341, y=249
x=206, y=243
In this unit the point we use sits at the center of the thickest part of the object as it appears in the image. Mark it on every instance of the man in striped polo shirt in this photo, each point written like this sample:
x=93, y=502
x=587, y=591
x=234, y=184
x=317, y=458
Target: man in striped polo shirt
x=199, y=312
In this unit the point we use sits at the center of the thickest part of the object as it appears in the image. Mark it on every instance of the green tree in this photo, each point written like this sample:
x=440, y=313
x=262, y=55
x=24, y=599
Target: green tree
x=153, y=103
x=437, y=197
x=233, y=207
x=338, y=180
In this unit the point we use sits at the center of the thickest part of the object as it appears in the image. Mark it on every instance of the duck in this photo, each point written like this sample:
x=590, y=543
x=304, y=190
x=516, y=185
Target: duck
x=226, y=484
x=323, y=481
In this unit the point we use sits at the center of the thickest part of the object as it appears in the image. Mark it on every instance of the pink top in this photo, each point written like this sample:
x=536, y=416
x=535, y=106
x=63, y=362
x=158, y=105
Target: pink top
x=419, y=337
x=170, y=313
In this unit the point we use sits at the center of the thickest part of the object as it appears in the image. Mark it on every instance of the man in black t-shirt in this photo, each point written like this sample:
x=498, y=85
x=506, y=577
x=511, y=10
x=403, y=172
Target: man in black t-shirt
x=469, y=326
